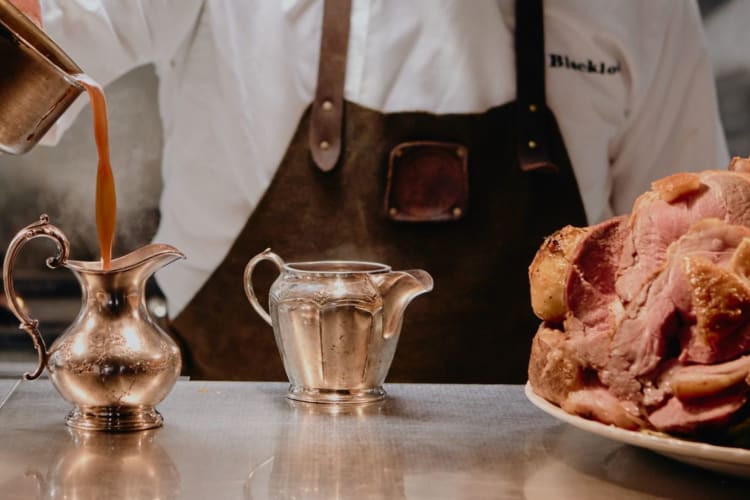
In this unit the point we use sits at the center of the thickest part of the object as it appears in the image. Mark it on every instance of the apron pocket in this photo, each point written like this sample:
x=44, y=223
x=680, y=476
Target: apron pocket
x=427, y=181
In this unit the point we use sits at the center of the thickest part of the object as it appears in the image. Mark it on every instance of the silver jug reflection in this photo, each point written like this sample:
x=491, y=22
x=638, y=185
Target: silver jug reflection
x=35, y=82
x=332, y=452
x=336, y=324
x=114, y=466
x=114, y=363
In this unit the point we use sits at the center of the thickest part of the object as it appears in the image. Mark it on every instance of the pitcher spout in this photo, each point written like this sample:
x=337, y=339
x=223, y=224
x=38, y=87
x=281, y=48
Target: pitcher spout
x=153, y=257
x=143, y=261
x=398, y=289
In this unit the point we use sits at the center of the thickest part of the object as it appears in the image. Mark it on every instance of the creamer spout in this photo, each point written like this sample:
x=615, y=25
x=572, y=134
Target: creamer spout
x=398, y=289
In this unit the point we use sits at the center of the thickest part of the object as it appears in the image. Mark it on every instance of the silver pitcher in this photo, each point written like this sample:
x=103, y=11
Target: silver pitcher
x=336, y=324
x=113, y=363
x=36, y=86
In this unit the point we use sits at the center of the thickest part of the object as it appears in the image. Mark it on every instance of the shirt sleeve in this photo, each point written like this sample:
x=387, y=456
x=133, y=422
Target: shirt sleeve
x=108, y=38
x=673, y=123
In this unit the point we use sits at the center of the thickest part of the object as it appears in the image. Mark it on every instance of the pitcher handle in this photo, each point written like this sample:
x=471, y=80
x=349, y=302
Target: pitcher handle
x=40, y=229
x=266, y=254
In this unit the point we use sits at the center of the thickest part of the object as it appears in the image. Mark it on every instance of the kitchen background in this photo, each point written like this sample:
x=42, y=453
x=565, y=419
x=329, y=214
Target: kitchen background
x=60, y=181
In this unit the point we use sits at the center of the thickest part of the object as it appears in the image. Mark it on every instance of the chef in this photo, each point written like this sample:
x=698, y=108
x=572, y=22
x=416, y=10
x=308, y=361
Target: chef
x=445, y=135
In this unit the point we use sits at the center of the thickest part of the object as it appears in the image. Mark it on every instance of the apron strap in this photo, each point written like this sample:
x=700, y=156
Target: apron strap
x=327, y=115
x=532, y=112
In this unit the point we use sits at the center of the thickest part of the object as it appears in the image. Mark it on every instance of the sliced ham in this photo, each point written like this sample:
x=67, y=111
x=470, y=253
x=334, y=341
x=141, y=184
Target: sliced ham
x=686, y=417
x=655, y=223
x=700, y=381
x=591, y=278
x=598, y=403
x=554, y=370
x=652, y=310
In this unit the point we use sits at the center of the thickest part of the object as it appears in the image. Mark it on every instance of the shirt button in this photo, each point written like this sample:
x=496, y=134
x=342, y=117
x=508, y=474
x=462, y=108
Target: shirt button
x=324, y=145
x=327, y=105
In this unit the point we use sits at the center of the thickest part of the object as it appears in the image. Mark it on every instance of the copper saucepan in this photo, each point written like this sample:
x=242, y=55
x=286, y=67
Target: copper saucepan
x=36, y=86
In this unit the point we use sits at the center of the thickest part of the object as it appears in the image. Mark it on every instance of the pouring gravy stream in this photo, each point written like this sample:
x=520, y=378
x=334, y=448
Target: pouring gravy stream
x=106, y=200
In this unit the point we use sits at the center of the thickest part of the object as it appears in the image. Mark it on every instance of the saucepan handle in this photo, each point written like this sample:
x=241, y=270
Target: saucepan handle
x=266, y=254
x=40, y=229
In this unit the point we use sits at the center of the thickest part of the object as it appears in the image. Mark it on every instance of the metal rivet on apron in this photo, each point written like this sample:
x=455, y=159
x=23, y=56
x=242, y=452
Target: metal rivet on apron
x=327, y=105
x=532, y=144
x=393, y=211
x=532, y=108
x=460, y=153
x=324, y=145
x=457, y=212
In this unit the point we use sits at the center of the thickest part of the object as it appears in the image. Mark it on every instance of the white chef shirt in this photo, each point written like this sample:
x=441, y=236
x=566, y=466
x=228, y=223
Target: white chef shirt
x=628, y=80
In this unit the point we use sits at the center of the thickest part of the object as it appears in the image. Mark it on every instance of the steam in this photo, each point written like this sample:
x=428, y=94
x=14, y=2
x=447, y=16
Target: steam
x=61, y=180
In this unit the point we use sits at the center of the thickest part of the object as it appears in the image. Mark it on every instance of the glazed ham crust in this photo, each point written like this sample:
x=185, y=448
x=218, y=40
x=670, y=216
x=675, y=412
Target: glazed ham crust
x=547, y=272
x=646, y=317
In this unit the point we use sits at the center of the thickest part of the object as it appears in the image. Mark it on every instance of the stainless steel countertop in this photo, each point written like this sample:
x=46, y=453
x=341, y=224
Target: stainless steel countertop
x=6, y=387
x=245, y=440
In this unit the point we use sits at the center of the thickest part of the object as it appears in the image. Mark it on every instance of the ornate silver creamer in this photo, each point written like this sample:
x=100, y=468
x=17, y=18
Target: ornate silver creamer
x=336, y=324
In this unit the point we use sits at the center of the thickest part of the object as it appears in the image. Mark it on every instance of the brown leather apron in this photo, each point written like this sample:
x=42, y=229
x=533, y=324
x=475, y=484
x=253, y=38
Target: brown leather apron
x=476, y=325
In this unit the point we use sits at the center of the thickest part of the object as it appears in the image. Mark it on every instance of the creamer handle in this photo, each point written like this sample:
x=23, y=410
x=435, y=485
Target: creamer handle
x=40, y=229
x=266, y=254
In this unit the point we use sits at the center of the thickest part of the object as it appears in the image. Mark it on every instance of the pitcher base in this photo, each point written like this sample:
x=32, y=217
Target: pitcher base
x=311, y=395
x=114, y=418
